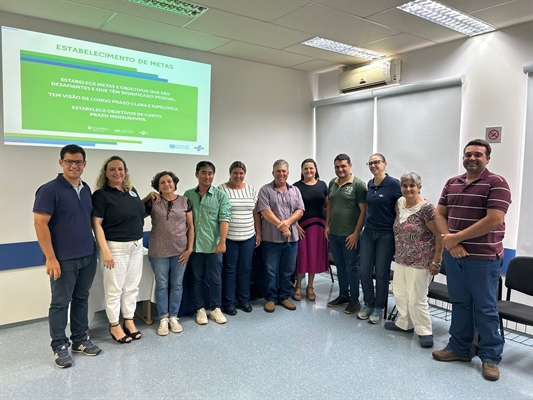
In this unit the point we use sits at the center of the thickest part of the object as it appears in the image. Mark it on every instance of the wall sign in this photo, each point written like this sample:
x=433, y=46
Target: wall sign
x=493, y=134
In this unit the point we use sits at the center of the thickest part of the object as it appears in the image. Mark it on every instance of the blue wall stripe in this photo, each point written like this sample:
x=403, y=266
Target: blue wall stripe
x=28, y=254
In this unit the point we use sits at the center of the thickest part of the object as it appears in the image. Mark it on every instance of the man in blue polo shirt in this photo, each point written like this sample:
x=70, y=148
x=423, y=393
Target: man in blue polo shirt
x=62, y=219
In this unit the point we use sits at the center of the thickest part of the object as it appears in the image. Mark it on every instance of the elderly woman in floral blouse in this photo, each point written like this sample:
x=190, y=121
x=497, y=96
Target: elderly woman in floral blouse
x=418, y=257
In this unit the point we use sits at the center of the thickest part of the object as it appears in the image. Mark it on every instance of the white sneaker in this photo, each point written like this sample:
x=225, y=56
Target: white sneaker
x=201, y=317
x=217, y=315
x=163, y=327
x=175, y=325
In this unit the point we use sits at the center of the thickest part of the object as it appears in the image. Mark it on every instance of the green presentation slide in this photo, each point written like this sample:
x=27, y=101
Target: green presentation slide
x=58, y=90
x=65, y=99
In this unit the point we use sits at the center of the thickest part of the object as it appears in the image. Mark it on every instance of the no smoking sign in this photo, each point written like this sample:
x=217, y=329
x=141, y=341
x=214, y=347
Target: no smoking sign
x=493, y=134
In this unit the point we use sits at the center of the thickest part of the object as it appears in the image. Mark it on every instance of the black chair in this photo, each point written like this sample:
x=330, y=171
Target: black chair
x=519, y=277
x=331, y=262
x=439, y=291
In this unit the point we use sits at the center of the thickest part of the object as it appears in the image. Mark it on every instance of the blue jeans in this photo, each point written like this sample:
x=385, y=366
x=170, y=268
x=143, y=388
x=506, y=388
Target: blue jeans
x=72, y=288
x=347, y=265
x=198, y=263
x=280, y=262
x=472, y=286
x=237, y=272
x=168, y=292
x=377, y=251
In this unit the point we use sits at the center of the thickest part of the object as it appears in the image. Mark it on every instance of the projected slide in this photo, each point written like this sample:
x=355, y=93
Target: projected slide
x=58, y=90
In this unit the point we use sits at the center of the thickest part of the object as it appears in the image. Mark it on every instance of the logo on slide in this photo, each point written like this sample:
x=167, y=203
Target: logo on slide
x=143, y=133
x=97, y=129
x=199, y=148
x=178, y=146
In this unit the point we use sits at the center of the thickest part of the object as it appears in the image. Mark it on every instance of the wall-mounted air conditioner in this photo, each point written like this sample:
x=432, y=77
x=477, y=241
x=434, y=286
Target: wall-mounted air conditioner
x=375, y=74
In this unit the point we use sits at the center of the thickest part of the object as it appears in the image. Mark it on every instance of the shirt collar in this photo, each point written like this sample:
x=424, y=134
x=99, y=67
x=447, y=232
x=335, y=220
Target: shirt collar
x=350, y=180
x=66, y=183
x=210, y=190
x=273, y=183
x=384, y=182
x=484, y=175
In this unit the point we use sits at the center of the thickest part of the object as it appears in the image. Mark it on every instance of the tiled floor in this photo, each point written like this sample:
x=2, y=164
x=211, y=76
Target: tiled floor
x=314, y=352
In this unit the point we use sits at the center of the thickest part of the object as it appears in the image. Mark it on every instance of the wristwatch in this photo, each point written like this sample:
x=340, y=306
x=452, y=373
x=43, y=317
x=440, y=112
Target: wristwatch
x=438, y=265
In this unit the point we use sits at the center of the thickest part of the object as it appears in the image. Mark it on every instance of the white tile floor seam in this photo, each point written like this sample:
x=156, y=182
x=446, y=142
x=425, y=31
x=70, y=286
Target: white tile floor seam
x=313, y=352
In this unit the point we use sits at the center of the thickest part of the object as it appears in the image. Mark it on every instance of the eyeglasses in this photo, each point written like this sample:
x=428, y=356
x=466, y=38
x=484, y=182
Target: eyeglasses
x=170, y=204
x=370, y=163
x=78, y=162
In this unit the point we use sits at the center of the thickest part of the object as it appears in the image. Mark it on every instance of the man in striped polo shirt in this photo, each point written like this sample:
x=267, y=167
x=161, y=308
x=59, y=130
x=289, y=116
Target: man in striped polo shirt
x=470, y=215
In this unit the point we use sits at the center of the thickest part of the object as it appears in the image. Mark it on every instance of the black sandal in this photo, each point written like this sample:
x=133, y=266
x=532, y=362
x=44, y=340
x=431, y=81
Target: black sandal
x=133, y=335
x=122, y=340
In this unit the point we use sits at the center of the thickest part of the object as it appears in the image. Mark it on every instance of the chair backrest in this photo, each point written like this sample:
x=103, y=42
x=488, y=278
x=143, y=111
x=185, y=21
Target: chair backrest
x=519, y=275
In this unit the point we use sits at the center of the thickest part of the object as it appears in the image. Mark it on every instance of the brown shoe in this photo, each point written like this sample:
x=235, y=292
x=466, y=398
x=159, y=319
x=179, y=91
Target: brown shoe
x=288, y=305
x=270, y=306
x=297, y=295
x=310, y=294
x=491, y=371
x=447, y=354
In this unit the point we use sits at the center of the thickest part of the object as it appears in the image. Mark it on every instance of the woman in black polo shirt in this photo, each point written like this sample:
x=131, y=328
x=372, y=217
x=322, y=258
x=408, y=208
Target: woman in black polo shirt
x=118, y=220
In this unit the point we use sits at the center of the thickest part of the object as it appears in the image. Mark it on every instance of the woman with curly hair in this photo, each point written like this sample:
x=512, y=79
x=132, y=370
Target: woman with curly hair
x=171, y=244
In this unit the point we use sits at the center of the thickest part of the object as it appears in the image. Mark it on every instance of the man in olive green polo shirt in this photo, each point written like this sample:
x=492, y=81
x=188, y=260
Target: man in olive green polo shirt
x=211, y=214
x=345, y=216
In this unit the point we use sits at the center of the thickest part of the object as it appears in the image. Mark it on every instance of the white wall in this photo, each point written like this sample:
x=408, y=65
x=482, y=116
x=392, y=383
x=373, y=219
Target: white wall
x=494, y=95
x=259, y=113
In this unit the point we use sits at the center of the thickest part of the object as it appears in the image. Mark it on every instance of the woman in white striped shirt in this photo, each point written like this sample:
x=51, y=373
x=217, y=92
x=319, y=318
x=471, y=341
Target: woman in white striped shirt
x=243, y=236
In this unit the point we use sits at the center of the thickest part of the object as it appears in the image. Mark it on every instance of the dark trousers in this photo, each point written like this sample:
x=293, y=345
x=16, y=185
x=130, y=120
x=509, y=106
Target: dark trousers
x=198, y=263
x=72, y=288
x=237, y=272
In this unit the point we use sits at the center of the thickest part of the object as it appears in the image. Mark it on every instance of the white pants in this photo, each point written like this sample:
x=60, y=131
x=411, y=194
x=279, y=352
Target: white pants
x=410, y=288
x=121, y=283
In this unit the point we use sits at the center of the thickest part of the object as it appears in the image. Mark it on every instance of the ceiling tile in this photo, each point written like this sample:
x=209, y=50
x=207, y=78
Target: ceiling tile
x=397, y=44
x=69, y=13
x=244, y=29
x=324, y=54
x=260, y=54
x=416, y=26
x=136, y=10
x=265, y=10
x=162, y=33
x=361, y=8
x=507, y=14
x=473, y=5
x=334, y=25
x=317, y=66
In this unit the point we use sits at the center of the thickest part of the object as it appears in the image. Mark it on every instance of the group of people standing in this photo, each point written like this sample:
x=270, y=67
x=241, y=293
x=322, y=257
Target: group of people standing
x=213, y=231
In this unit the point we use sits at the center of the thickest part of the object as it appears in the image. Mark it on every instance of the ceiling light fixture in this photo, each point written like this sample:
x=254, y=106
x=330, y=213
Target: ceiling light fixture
x=183, y=8
x=446, y=16
x=330, y=45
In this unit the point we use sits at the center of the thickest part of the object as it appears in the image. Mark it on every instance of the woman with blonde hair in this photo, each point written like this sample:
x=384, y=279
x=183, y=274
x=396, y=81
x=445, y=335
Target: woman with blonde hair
x=118, y=220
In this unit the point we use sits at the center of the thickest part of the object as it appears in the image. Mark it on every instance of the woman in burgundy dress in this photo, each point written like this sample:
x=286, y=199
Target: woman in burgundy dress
x=312, y=255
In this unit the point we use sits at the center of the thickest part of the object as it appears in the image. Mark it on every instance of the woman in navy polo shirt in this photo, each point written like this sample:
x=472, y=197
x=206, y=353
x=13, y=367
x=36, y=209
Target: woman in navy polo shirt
x=377, y=240
x=118, y=220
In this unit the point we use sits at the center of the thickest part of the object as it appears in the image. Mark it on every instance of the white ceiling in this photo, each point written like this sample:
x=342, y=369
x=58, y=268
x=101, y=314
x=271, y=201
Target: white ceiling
x=270, y=31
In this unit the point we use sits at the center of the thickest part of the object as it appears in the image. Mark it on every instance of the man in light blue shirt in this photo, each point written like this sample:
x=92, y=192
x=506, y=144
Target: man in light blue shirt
x=211, y=214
